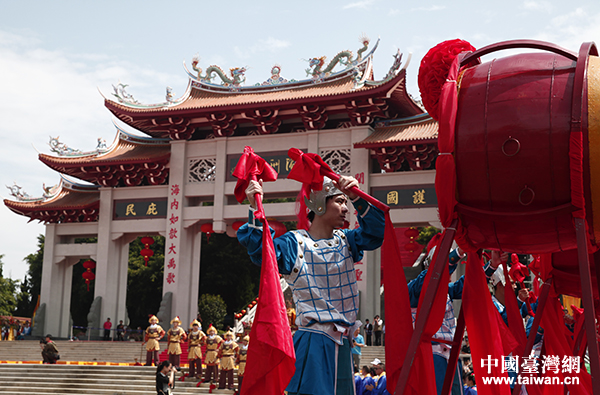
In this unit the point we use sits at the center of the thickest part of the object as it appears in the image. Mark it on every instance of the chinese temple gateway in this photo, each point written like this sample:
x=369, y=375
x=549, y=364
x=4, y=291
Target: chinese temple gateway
x=177, y=181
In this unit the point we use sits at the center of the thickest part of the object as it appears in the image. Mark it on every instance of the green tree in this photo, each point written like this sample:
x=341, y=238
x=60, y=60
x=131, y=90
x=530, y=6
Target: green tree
x=8, y=301
x=426, y=234
x=144, y=283
x=213, y=309
x=81, y=298
x=31, y=285
x=226, y=270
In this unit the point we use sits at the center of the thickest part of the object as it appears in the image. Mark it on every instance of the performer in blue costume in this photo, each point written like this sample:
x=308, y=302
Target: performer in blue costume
x=318, y=264
x=441, y=350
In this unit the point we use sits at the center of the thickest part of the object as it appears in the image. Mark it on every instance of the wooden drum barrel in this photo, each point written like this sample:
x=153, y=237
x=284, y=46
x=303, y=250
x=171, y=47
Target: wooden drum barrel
x=527, y=148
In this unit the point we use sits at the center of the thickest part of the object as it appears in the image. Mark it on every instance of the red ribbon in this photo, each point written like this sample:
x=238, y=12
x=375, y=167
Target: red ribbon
x=252, y=167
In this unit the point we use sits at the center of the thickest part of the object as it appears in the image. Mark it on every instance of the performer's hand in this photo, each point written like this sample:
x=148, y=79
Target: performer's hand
x=498, y=258
x=523, y=294
x=345, y=185
x=254, y=187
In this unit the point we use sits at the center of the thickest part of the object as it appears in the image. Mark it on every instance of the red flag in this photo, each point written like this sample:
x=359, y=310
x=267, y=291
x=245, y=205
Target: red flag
x=271, y=358
x=398, y=321
x=486, y=342
x=513, y=315
x=557, y=345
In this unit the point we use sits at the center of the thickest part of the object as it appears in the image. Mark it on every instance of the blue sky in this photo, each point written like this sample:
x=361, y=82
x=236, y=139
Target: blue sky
x=54, y=56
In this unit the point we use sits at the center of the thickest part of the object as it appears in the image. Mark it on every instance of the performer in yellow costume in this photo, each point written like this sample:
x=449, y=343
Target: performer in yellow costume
x=175, y=336
x=153, y=334
x=227, y=352
x=213, y=341
x=195, y=340
x=241, y=360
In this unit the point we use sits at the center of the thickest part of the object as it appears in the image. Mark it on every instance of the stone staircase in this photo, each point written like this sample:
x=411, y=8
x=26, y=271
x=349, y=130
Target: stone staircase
x=369, y=353
x=88, y=351
x=89, y=380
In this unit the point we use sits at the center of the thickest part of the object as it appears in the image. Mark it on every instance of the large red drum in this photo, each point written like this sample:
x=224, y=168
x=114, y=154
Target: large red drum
x=523, y=141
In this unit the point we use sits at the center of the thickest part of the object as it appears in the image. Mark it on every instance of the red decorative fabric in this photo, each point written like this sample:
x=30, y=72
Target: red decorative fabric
x=251, y=165
x=307, y=170
x=271, y=358
x=434, y=70
x=435, y=319
x=513, y=315
x=557, y=344
x=487, y=340
x=518, y=272
x=398, y=319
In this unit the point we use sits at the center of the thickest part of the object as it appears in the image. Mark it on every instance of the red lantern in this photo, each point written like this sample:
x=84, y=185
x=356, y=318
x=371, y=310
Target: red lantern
x=237, y=224
x=411, y=246
x=208, y=229
x=411, y=233
x=147, y=240
x=256, y=299
x=243, y=311
x=253, y=302
x=146, y=252
x=88, y=275
x=278, y=227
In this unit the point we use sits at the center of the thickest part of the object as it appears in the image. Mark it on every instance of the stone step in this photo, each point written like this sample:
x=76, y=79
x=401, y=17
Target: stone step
x=101, y=380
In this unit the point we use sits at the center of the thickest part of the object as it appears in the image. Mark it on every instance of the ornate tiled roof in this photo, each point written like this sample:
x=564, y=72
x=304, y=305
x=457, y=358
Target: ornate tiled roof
x=206, y=106
x=129, y=159
x=68, y=202
x=420, y=128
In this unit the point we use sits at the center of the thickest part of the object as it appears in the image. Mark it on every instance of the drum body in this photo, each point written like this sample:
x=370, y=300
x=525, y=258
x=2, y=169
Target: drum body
x=512, y=153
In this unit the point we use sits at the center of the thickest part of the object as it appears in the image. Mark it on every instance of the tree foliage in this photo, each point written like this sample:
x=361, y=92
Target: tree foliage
x=32, y=283
x=144, y=283
x=226, y=270
x=212, y=309
x=8, y=301
x=426, y=234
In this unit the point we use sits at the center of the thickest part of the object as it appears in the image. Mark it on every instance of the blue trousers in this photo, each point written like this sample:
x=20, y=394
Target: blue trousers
x=323, y=367
x=440, y=365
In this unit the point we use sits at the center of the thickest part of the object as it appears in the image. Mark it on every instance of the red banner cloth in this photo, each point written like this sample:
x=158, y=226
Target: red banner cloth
x=435, y=319
x=251, y=166
x=271, y=357
x=556, y=345
x=513, y=315
x=487, y=340
x=398, y=319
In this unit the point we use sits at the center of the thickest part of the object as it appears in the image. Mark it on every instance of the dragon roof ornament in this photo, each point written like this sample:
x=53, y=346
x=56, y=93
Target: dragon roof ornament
x=62, y=149
x=49, y=192
x=236, y=80
x=215, y=79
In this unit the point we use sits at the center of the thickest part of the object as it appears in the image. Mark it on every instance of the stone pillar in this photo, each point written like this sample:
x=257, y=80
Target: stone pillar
x=112, y=258
x=56, y=287
x=368, y=270
x=219, y=224
x=182, y=245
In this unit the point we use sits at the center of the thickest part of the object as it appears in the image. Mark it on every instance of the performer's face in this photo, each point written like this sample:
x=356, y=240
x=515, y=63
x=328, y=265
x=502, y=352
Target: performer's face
x=336, y=211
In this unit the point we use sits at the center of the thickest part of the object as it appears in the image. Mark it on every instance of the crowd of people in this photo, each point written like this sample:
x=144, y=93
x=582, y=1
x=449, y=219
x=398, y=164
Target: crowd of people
x=222, y=355
x=14, y=329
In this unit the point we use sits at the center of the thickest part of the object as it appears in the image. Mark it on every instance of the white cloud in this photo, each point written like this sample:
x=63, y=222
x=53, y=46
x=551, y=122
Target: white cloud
x=572, y=29
x=531, y=5
x=270, y=44
x=54, y=93
x=430, y=8
x=359, y=4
